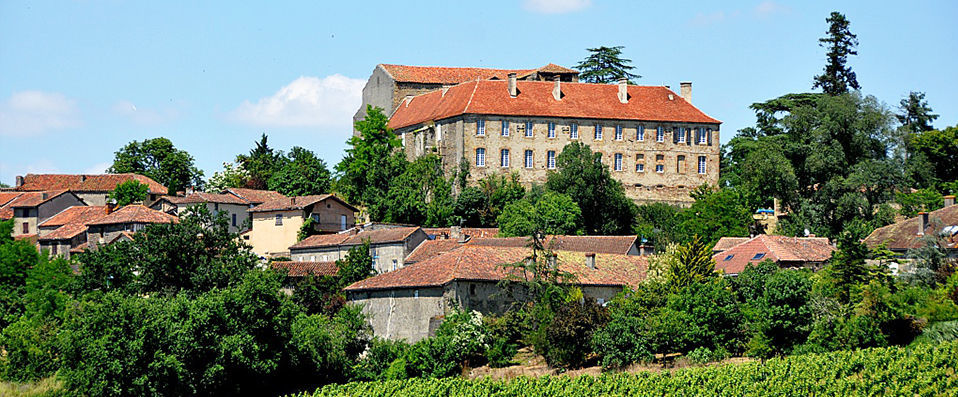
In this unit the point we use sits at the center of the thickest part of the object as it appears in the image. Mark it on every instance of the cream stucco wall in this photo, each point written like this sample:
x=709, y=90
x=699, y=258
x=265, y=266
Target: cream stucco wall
x=269, y=239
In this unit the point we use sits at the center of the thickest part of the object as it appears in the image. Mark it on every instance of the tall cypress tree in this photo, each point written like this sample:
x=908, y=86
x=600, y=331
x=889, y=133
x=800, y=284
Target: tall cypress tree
x=840, y=43
x=605, y=65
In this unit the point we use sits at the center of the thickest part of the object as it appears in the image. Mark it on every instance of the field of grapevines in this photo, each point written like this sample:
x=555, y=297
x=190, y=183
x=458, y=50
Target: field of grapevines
x=926, y=370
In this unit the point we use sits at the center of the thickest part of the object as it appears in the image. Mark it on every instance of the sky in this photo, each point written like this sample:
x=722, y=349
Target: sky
x=80, y=79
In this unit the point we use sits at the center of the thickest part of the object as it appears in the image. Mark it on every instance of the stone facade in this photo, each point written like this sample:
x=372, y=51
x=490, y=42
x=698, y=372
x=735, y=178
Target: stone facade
x=651, y=170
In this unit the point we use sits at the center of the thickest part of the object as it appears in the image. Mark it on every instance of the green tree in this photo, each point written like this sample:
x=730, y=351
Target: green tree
x=158, y=159
x=915, y=113
x=715, y=214
x=260, y=164
x=420, y=195
x=301, y=174
x=356, y=266
x=582, y=176
x=232, y=175
x=919, y=200
x=550, y=213
x=606, y=65
x=129, y=192
x=840, y=42
x=371, y=163
x=656, y=223
x=939, y=150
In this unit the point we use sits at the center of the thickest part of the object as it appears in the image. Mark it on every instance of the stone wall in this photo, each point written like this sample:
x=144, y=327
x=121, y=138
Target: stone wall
x=457, y=138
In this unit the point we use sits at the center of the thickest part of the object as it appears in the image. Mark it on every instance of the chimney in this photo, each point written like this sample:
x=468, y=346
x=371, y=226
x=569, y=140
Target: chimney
x=82, y=178
x=590, y=260
x=949, y=200
x=685, y=90
x=513, y=91
x=292, y=201
x=557, y=90
x=922, y=222
x=110, y=206
x=623, y=90
x=19, y=181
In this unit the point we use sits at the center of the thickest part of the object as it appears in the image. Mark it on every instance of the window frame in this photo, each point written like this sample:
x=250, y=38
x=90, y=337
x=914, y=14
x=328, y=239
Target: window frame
x=597, y=134
x=702, y=165
x=660, y=134
x=618, y=132
x=528, y=159
x=504, y=158
x=660, y=168
x=574, y=131
x=552, y=131
x=551, y=159
x=480, y=155
x=682, y=135
x=278, y=219
x=480, y=127
x=617, y=162
x=505, y=128
x=529, y=132
x=640, y=133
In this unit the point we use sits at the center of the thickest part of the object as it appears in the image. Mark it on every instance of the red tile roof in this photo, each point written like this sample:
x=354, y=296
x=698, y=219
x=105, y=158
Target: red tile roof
x=725, y=243
x=431, y=248
x=446, y=75
x=380, y=236
x=33, y=199
x=65, y=232
x=580, y=100
x=902, y=236
x=80, y=248
x=254, y=196
x=296, y=203
x=778, y=249
x=135, y=214
x=86, y=183
x=303, y=269
x=6, y=197
x=473, y=232
x=620, y=245
x=485, y=263
x=202, y=197
x=76, y=214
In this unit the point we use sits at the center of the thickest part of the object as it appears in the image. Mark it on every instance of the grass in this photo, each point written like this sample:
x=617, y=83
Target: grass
x=45, y=387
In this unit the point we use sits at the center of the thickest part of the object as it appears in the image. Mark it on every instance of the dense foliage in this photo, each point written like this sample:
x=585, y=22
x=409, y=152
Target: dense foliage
x=606, y=65
x=927, y=370
x=129, y=192
x=158, y=159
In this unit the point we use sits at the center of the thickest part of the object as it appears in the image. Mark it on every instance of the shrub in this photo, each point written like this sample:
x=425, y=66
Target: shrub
x=703, y=355
x=381, y=356
x=30, y=349
x=505, y=332
x=567, y=335
x=942, y=332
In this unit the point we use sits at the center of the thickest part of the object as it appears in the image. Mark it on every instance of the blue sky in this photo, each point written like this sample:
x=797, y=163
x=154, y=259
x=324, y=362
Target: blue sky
x=79, y=79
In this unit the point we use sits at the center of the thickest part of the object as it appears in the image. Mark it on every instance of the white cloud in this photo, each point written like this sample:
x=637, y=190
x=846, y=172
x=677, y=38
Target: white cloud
x=555, y=6
x=30, y=113
x=306, y=102
x=143, y=116
x=769, y=8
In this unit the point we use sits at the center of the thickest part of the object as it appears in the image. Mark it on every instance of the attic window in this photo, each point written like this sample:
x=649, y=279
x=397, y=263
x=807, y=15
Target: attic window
x=758, y=256
x=728, y=258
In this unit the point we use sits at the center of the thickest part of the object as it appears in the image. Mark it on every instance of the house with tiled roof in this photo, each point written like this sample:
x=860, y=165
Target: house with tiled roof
x=389, y=84
x=725, y=243
x=254, y=196
x=29, y=209
x=276, y=223
x=234, y=208
x=388, y=247
x=410, y=302
x=939, y=226
x=123, y=222
x=67, y=230
x=787, y=252
x=653, y=139
x=93, y=189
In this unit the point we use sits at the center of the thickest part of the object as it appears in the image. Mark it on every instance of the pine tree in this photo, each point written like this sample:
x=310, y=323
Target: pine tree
x=605, y=65
x=915, y=114
x=840, y=43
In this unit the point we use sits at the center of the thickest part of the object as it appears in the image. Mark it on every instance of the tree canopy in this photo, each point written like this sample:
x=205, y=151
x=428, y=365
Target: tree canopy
x=129, y=192
x=837, y=78
x=300, y=173
x=158, y=159
x=606, y=65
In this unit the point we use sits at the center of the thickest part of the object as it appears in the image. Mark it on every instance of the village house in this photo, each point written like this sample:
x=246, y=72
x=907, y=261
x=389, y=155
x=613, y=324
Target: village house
x=276, y=223
x=786, y=252
x=388, y=247
x=617, y=245
x=939, y=227
x=122, y=224
x=29, y=209
x=235, y=208
x=254, y=196
x=653, y=140
x=390, y=84
x=92, y=189
x=411, y=302
x=67, y=230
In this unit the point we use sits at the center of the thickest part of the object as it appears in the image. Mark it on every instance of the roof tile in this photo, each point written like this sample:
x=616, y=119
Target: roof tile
x=774, y=248
x=380, y=236
x=303, y=269
x=85, y=182
x=902, y=236
x=135, y=214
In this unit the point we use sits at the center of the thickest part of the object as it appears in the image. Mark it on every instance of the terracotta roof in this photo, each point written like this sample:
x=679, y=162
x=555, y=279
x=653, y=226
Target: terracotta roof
x=135, y=214
x=473, y=232
x=86, y=183
x=725, y=243
x=254, y=196
x=33, y=199
x=431, y=248
x=6, y=209
x=778, y=249
x=80, y=248
x=553, y=68
x=202, y=197
x=446, y=75
x=381, y=236
x=580, y=100
x=295, y=203
x=902, y=236
x=6, y=197
x=31, y=238
x=598, y=244
x=65, y=232
x=303, y=269
x=77, y=214
x=485, y=263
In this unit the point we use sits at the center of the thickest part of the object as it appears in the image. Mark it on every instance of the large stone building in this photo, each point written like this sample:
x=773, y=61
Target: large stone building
x=390, y=84
x=654, y=141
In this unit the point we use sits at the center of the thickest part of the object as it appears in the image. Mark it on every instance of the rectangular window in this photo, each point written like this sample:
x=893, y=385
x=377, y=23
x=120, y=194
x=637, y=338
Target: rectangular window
x=618, y=132
x=660, y=168
x=617, y=164
x=639, y=167
x=680, y=164
x=480, y=157
x=528, y=159
x=480, y=127
x=26, y=228
x=703, y=138
x=574, y=132
x=342, y=222
x=279, y=220
x=504, y=158
x=505, y=128
x=598, y=132
x=552, y=130
x=528, y=129
x=551, y=159
x=640, y=133
x=701, y=164
x=660, y=134
x=234, y=220
x=681, y=132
